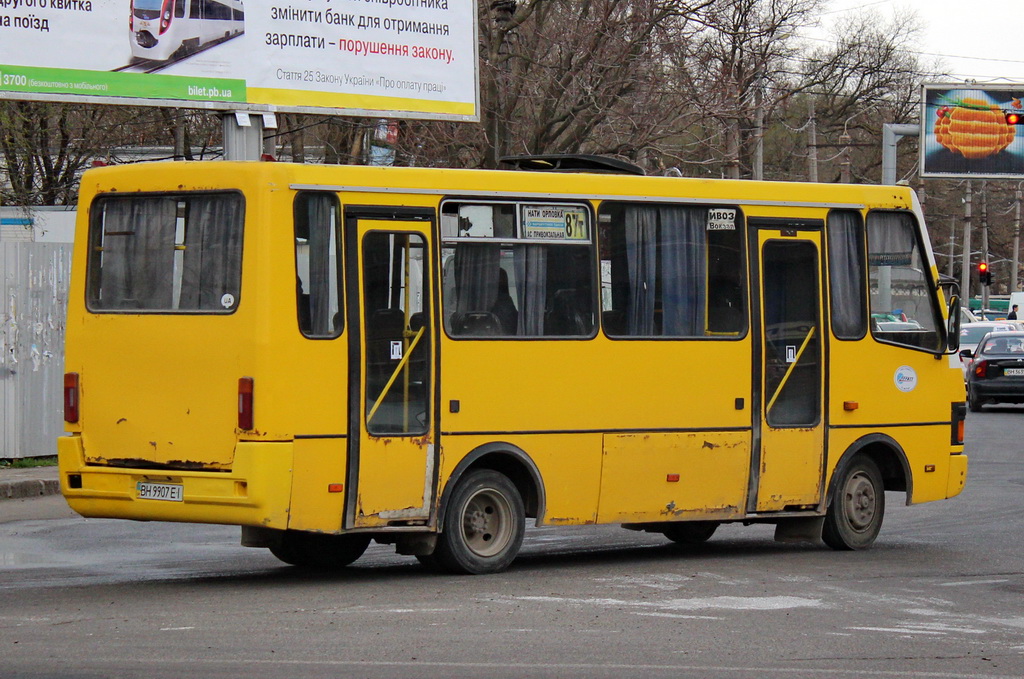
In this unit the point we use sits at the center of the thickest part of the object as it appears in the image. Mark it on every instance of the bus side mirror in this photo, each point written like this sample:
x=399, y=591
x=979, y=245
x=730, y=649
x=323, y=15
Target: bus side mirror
x=953, y=324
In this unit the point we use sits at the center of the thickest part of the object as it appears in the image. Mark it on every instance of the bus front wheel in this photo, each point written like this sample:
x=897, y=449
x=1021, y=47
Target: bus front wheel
x=319, y=552
x=484, y=525
x=854, y=515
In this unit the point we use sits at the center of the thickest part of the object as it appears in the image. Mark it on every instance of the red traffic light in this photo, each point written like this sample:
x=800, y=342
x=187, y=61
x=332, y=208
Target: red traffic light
x=1014, y=119
x=984, y=275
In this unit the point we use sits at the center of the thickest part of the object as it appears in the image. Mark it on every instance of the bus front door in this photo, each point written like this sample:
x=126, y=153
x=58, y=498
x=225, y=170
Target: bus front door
x=392, y=457
x=788, y=452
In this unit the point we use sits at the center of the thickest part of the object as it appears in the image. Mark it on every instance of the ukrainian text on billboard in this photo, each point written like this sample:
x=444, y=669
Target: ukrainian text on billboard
x=398, y=57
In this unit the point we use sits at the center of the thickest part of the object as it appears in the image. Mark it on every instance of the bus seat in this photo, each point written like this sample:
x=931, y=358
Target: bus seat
x=476, y=324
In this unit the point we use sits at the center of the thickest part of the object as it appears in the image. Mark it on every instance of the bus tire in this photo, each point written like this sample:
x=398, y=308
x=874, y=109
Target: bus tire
x=484, y=525
x=317, y=551
x=855, y=512
x=690, y=532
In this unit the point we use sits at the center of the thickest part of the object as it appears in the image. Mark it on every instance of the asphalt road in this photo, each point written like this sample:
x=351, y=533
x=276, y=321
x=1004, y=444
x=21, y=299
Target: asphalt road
x=940, y=595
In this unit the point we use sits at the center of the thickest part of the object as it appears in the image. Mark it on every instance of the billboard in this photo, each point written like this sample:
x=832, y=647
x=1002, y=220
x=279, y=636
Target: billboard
x=387, y=58
x=972, y=131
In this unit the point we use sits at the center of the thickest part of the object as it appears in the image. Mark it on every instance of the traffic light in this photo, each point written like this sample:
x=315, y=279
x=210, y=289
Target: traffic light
x=984, y=275
x=1014, y=118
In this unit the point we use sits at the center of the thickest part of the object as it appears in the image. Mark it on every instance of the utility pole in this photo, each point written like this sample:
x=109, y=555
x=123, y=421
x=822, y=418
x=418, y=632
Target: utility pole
x=812, y=142
x=952, y=246
x=844, y=166
x=758, y=169
x=984, y=240
x=1016, y=241
x=965, y=261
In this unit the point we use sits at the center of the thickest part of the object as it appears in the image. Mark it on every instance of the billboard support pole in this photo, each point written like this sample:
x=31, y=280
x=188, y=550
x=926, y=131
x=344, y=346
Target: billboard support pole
x=891, y=134
x=243, y=134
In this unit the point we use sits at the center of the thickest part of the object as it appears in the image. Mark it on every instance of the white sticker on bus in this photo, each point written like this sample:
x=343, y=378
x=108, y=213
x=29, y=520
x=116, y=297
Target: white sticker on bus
x=721, y=219
x=905, y=378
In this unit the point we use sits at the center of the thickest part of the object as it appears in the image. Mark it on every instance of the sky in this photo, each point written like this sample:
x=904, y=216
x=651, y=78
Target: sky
x=981, y=40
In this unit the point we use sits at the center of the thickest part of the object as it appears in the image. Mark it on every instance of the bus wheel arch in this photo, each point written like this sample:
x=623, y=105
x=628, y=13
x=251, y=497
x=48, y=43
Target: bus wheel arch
x=510, y=460
x=855, y=504
x=483, y=511
x=888, y=455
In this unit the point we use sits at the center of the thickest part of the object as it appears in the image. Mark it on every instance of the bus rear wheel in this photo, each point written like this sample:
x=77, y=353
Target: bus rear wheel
x=857, y=506
x=484, y=525
x=319, y=552
x=690, y=532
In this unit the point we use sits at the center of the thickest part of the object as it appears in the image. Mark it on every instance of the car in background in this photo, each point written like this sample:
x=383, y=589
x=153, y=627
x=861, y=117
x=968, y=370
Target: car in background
x=996, y=374
x=971, y=335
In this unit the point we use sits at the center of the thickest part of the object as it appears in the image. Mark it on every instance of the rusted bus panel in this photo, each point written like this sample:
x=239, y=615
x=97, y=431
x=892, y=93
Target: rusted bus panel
x=674, y=476
x=33, y=306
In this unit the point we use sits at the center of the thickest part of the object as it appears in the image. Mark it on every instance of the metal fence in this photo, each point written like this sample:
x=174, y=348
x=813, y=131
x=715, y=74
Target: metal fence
x=34, y=280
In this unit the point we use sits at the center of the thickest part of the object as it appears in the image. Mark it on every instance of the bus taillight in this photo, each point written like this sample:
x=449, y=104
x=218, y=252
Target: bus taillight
x=245, y=402
x=71, y=397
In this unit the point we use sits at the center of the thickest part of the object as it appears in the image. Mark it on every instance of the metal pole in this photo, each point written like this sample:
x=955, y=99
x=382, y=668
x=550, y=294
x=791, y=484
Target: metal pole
x=812, y=143
x=984, y=241
x=243, y=134
x=1016, y=241
x=965, y=262
x=952, y=246
x=891, y=133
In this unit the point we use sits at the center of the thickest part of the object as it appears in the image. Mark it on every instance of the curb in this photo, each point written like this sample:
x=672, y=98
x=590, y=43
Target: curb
x=20, y=484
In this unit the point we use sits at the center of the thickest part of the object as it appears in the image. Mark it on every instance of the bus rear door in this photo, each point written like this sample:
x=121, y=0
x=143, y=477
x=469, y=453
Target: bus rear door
x=392, y=452
x=788, y=452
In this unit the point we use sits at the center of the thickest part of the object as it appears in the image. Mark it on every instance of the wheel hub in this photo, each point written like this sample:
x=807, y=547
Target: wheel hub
x=860, y=501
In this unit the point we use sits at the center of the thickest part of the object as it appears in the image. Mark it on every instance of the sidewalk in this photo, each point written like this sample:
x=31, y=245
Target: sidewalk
x=33, y=482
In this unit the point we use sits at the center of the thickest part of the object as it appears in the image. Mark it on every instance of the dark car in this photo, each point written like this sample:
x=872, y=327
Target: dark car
x=996, y=374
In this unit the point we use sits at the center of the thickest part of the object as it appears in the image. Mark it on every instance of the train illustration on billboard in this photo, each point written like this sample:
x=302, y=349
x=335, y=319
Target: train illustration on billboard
x=161, y=30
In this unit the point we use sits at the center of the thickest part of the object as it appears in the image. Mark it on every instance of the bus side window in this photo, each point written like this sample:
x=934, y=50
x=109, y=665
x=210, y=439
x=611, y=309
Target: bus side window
x=847, y=274
x=499, y=281
x=671, y=271
x=318, y=283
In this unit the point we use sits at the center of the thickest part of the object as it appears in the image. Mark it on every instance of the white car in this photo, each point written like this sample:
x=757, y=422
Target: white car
x=971, y=334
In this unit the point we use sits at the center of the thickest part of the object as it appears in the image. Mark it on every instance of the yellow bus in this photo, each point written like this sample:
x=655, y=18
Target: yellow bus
x=327, y=356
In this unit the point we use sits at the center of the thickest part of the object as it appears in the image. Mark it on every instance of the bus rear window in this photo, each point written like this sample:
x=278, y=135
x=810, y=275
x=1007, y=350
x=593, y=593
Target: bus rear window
x=165, y=253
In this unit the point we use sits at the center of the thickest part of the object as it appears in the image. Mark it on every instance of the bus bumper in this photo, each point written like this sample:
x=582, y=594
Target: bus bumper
x=957, y=475
x=253, y=493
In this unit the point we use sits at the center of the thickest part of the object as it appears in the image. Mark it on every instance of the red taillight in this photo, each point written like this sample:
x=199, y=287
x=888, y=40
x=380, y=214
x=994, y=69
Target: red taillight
x=245, y=416
x=980, y=368
x=71, y=401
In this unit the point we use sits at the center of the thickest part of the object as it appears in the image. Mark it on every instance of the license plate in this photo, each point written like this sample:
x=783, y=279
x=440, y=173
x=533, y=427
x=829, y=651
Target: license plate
x=170, y=492
x=1013, y=372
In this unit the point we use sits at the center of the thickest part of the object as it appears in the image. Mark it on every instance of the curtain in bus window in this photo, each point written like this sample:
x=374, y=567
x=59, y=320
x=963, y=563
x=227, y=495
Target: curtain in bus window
x=846, y=274
x=641, y=229
x=321, y=277
x=682, y=272
x=531, y=264
x=476, y=276
x=213, y=248
x=137, y=257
